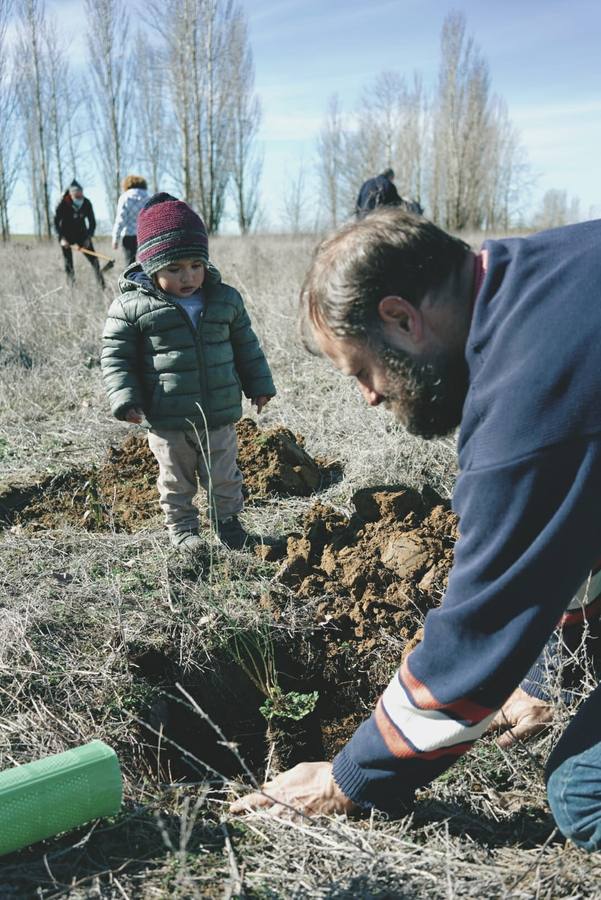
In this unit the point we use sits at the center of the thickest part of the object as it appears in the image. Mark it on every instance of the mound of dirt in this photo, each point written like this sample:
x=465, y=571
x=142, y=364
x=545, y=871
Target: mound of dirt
x=275, y=463
x=121, y=493
x=377, y=572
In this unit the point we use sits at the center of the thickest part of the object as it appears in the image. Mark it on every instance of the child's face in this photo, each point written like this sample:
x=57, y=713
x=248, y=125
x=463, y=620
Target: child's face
x=181, y=278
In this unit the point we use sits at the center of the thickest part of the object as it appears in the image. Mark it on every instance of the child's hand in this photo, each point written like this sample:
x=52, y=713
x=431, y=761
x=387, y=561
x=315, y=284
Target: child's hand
x=260, y=402
x=134, y=415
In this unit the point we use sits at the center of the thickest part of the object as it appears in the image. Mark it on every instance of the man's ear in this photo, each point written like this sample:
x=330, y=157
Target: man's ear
x=397, y=313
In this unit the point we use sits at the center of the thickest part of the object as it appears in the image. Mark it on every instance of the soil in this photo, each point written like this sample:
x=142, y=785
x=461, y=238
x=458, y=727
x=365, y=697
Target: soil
x=121, y=493
x=275, y=463
x=376, y=573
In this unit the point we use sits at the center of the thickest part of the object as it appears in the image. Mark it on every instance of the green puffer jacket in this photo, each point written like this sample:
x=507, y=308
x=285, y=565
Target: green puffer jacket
x=154, y=358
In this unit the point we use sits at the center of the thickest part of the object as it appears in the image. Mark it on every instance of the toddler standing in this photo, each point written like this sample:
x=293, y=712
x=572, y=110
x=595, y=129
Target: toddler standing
x=178, y=350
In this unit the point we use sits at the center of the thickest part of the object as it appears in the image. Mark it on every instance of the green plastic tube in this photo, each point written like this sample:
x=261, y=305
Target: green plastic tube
x=44, y=798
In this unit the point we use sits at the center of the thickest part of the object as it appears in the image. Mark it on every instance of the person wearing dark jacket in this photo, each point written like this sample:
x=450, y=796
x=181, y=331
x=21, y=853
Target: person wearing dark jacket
x=504, y=343
x=381, y=191
x=75, y=225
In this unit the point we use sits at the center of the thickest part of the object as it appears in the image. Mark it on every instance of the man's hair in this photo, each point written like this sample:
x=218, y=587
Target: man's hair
x=391, y=252
x=388, y=173
x=133, y=181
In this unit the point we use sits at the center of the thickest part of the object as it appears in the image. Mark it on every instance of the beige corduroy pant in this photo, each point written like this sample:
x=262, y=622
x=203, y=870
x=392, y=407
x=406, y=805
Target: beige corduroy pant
x=184, y=457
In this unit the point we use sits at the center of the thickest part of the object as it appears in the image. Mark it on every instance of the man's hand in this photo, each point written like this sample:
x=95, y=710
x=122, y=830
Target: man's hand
x=115, y=245
x=309, y=788
x=260, y=402
x=134, y=415
x=64, y=242
x=524, y=715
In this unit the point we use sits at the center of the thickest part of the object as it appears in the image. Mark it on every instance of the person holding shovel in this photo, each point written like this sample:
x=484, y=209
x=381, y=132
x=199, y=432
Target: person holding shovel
x=75, y=225
x=504, y=344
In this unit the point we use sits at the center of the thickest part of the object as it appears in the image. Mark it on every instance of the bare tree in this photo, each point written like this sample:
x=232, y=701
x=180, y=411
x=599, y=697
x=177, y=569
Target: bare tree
x=372, y=145
x=413, y=140
x=294, y=207
x=33, y=106
x=507, y=183
x=201, y=74
x=175, y=22
x=391, y=129
x=214, y=77
x=64, y=101
x=331, y=147
x=110, y=90
x=462, y=118
x=247, y=164
x=553, y=211
x=152, y=122
x=9, y=155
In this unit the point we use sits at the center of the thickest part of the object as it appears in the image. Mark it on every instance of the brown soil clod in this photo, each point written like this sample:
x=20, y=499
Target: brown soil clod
x=377, y=571
x=274, y=462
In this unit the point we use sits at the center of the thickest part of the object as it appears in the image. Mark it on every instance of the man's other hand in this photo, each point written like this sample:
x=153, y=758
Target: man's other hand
x=521, y=717
x=308, y=788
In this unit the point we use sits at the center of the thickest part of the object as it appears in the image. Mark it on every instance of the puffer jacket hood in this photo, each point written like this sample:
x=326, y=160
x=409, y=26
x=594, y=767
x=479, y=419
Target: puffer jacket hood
x=135, y=278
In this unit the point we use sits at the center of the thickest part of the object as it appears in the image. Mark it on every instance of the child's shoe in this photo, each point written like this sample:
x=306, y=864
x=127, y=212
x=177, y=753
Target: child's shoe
x=232, y=533
x=186, y=541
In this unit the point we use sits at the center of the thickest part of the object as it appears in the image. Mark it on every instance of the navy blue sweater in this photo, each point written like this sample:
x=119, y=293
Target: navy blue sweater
x=527, y=497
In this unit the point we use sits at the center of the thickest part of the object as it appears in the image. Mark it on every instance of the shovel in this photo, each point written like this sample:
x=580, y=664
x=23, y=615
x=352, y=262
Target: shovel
x=108, y=265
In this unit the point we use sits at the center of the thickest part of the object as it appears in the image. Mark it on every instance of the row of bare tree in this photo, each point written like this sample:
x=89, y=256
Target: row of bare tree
x=175, y=101
x=453, y=149
x=178, y=106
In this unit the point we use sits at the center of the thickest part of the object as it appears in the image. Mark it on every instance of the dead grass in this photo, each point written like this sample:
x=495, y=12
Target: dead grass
x=96, y=628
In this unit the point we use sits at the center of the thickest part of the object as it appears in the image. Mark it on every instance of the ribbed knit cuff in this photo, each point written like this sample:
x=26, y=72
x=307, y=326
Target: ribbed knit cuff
x=353, y=782
x=536, y=682
x=350, y=779
x=555, y=673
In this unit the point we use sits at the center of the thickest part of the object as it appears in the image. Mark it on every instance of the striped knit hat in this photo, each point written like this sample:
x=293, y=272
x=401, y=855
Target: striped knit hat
x=168, y=229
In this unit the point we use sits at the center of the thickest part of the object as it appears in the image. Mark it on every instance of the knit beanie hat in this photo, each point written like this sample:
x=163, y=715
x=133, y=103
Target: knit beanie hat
x=75, y=186
x=168, y=229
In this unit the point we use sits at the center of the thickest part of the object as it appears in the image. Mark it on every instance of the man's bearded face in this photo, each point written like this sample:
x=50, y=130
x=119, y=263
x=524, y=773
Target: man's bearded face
x=426, y=397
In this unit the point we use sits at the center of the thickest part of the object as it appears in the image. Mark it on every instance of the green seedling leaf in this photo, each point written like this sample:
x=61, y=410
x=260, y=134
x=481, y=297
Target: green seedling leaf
x=293, y=705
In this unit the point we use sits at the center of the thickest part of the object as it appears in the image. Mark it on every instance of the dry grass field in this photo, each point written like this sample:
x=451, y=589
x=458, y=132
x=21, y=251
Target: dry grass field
x=105, y=633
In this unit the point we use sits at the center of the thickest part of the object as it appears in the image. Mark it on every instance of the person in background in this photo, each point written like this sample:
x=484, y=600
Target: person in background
x=178, y=350
x=131, y=201
x=381, y=191
x=75, y=225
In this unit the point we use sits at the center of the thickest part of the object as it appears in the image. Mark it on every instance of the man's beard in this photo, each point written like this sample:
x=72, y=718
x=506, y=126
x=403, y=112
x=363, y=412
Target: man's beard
x=426, y=397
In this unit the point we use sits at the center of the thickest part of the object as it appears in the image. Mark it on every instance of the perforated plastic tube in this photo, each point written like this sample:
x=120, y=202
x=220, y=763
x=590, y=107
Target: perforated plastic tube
x=49, y=796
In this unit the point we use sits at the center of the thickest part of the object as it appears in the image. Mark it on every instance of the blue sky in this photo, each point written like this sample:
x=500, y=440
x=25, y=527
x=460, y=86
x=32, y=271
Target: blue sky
x=543, y=57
